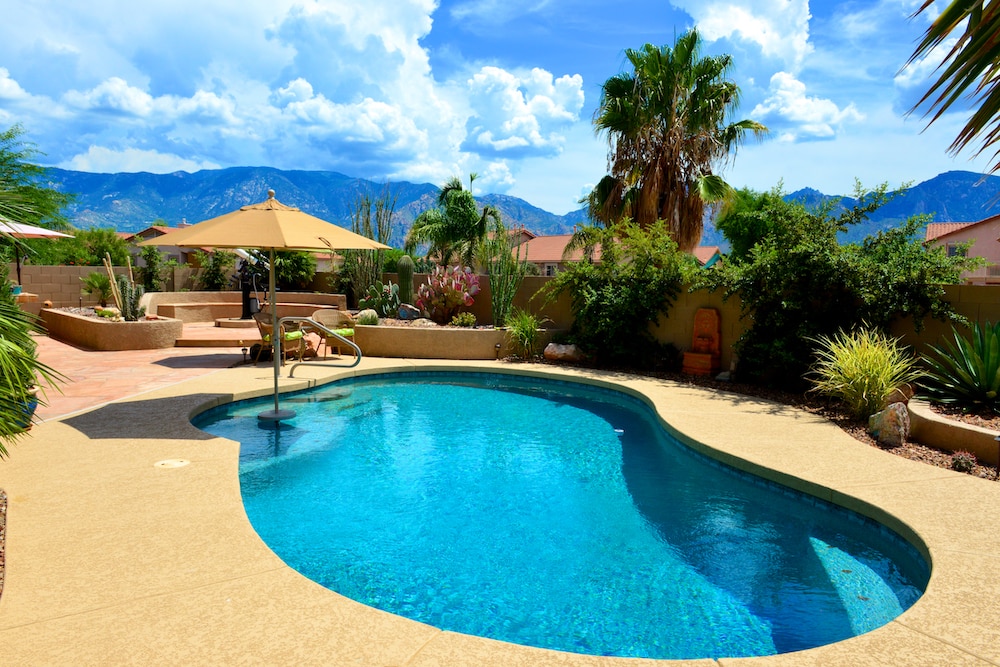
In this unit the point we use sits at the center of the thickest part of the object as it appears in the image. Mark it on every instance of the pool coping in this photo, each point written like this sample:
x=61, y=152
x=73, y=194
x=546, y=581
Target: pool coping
x=113, y=560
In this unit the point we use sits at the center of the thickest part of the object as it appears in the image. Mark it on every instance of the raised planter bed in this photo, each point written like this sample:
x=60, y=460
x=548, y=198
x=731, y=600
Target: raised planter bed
x=931, y=429
x=97, y=333
x=435, y=342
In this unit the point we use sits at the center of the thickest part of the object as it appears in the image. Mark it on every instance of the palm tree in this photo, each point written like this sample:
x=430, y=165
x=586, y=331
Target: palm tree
x=970, y=68
x=455, y=227
x=667, y=128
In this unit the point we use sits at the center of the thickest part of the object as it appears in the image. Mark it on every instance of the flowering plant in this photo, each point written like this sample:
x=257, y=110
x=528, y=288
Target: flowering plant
x=446, y=291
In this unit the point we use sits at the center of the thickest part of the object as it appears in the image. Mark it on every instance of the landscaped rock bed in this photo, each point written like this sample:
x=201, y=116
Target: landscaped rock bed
x=817, y=405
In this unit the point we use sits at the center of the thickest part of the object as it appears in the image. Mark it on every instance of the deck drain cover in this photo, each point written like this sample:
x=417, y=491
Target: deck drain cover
x=171, y=463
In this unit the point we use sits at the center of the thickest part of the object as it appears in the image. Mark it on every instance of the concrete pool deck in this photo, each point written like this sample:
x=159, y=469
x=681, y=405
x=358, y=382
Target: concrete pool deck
x=113, y=560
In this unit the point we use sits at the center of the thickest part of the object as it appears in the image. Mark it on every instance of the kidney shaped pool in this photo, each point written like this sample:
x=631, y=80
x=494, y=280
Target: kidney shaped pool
x=557, y=515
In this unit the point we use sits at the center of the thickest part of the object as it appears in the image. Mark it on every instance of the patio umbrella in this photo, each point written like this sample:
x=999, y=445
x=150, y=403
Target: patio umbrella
x=268, y=226
x=20, y=230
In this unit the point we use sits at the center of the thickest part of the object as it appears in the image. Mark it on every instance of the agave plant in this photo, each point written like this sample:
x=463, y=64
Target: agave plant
x=965, y=372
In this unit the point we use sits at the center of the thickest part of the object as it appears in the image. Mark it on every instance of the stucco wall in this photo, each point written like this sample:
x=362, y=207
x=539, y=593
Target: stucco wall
x=102, y=334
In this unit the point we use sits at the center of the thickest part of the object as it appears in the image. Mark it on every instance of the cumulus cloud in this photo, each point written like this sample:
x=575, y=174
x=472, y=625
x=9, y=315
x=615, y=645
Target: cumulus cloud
x=919, y=72
x=779, y=27
x=105, y=160
x=796, y=116
x=521, y=115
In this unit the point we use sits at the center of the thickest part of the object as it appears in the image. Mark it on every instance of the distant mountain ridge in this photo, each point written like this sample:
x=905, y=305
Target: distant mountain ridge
x=130, y=202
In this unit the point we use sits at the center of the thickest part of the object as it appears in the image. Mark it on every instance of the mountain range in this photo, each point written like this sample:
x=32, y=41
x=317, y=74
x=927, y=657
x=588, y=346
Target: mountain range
x=131, y=202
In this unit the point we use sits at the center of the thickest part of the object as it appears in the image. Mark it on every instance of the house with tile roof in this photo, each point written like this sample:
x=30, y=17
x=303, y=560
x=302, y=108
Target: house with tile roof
x=547, y=253
x=984, y=237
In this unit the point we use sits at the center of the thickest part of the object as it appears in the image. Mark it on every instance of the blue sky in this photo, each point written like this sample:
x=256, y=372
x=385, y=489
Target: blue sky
x=422, y=90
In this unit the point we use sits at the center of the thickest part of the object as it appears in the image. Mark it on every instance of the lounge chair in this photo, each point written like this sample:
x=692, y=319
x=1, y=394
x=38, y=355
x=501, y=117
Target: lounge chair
x=293, y=341
x=340, y=322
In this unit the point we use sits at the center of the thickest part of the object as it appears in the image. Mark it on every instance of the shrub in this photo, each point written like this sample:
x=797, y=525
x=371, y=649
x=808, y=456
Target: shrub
x=447, y=290
x=796, y=280
x=861, y=369
x=963, y=461
x=383, y=299
x=153, y=274
x=464, y=320
x=216, y=269
x=367, y=317
x=966, y=371
x=616, y=301
x=522, y=330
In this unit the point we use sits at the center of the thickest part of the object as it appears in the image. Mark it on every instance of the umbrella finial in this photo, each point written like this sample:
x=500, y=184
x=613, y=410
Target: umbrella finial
x=270, y=194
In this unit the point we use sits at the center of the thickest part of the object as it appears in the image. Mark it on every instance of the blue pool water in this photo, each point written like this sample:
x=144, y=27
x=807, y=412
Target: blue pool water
x=555, y=515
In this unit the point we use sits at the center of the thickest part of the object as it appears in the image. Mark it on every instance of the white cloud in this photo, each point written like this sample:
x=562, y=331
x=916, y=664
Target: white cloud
x=104, y=160
x=521, y=115
x=795, y=116
x=779, y=27
x=495, y=11
x=920, y=71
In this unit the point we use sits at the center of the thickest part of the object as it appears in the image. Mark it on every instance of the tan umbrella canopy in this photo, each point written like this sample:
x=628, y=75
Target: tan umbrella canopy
x=19, y=230
x=269, y=226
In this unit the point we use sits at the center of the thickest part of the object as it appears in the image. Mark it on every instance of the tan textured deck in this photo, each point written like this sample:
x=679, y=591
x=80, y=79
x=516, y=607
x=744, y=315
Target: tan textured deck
x=111, y=560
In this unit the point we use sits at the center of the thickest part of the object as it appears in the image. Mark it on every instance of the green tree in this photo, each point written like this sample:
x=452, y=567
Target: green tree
x=294, y=270
x=616, y=300
x=216, y=269
x=797, y=284
x=968, y=70
x=453, y=229
x=152, y=275
x=667, y=124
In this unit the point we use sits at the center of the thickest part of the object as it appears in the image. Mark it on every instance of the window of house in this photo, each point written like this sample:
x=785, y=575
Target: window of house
x=955, y=249
x=550, y=270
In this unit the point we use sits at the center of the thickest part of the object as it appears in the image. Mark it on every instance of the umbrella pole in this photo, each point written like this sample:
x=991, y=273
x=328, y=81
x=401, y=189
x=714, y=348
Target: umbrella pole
x=275, y=415
x=17, y=261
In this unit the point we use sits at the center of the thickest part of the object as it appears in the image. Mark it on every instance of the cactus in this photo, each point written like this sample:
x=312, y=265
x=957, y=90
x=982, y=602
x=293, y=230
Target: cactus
x=130, y=296
x=367, y=317
x=384, y=299
x=446, y=292
x=404, y=269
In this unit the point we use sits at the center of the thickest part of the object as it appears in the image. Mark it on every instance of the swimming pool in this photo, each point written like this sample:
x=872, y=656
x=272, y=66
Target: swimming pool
x=555, y=515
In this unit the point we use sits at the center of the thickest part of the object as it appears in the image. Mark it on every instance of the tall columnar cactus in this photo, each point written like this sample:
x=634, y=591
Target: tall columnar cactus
x=130, y=296
x=404, y=269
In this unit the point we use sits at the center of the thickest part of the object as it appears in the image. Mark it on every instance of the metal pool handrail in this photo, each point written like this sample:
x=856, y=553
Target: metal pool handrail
x=329, y=332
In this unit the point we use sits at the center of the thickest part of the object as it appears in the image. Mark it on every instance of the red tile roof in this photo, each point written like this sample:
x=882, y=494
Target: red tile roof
x=549, y=249
x=936, y=230
x=703, y=253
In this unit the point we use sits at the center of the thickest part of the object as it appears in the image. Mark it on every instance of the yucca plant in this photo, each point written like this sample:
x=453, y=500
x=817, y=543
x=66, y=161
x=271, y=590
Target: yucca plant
x=861, y=369
x=965, y=372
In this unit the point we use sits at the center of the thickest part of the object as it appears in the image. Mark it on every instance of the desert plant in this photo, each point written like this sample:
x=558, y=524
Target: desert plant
x=861, y=369
x=963, y=461
x=367, y=317
x=504, y=267
x=404, y=271
x=465, y=319
x=97, y=283
x=966, y=372
x=446, y=291
x=130, y=296
x=383, y=299
x=522, y=330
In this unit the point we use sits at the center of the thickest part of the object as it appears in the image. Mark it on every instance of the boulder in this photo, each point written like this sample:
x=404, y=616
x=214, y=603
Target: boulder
x=408, y=312
x=557, y=352
x=891, y=426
